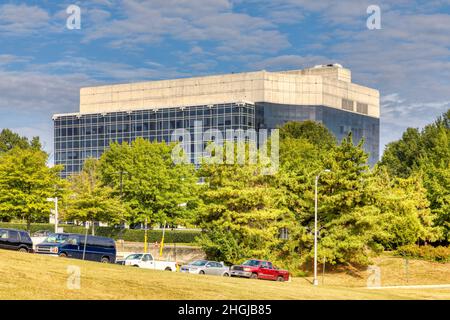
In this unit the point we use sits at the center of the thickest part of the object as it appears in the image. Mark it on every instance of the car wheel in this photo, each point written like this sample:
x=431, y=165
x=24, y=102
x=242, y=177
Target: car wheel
x=168, y=269
x=254, y=276
x=280, y=279
x=23, y=250
x=201, y=272
x=105, y=260
x=63, y=255
x=226, y=274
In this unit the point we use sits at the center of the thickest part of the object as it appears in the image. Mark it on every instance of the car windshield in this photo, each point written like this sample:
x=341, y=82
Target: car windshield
x=134, y=257
x=252, y=263
x=59, y=238
x=198, y=263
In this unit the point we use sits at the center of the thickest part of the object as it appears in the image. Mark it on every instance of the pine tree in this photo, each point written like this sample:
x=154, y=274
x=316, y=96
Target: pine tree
x=243, y=215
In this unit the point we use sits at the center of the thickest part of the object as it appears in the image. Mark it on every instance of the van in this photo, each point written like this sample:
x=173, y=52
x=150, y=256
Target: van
x=12, y=239
x=70, y=245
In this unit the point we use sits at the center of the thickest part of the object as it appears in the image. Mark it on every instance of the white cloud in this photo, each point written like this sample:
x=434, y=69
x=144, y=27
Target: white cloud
x=408, y=60
x=145, y=22
x=28, y=100
x=31, y=96
x=109, y=71
x=31, y=92
x=22, y=19
x=8, y=59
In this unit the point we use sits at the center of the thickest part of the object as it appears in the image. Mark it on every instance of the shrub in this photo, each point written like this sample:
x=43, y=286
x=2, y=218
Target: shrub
x=438, y=254
x=171, y=236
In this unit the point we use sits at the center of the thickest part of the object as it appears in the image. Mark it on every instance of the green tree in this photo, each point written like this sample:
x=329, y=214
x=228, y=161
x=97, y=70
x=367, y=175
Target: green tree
x=403, y=157
x=10, y=140
x=153, y=186
x=25, y=184
x=348, y=223
x=243, y=214
x=89, y=200
x=314, y=132
x=426, y=153
x=404, y=210
x=364, y=211
x=361, y=211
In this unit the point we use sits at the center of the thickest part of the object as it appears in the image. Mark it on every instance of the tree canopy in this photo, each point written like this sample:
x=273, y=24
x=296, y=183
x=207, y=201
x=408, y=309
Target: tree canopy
x=243, y=213
x=361, y=210
x=426, y=153
x=145, y=176
x=25, y=184
x=88, y=200
x=10, y=140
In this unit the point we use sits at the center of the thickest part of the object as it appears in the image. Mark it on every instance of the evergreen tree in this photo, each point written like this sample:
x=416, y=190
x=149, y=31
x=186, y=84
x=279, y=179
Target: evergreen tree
x=244, y=214
x=348, y=223
x=426, y=153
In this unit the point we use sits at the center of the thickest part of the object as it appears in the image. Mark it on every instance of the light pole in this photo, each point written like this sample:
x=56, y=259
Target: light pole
x=121, y=173
x=316, y=281
x=55, y=200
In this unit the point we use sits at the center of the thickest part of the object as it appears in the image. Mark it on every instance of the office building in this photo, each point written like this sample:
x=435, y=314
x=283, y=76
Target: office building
x=251, y=100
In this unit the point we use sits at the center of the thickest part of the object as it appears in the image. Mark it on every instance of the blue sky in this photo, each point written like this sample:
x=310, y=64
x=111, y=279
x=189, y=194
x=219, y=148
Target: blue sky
x=43, y=64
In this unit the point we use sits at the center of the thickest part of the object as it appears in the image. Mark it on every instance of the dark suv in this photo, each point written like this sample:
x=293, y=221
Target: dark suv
x=71, y=245
x=18, y=240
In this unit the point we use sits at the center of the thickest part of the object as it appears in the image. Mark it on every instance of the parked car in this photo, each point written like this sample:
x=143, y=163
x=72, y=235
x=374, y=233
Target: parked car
x=18, y=240
x=259, y=269
x=146, y=260
x=206, y=267
x=70, y=245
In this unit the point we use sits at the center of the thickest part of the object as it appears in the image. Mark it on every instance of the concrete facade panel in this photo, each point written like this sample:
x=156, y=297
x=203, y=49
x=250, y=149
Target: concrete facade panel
x=313, y=86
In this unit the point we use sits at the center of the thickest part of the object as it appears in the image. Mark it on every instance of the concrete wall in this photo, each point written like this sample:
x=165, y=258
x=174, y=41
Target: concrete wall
x=314, y=86
x=180, y=254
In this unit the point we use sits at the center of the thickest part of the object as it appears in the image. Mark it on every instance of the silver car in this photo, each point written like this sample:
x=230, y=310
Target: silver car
x=206, y=267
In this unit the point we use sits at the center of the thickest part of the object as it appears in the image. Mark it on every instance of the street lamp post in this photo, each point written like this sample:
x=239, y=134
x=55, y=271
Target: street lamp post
x=316, y=280
x=121, y=183
x=121, y=173
x=55, y=200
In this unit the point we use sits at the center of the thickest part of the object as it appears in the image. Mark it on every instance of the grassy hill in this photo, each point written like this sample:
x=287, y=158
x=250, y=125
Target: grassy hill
x=31, y=276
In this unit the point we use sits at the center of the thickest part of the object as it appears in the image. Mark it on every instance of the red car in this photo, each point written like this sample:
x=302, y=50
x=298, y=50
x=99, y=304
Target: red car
x=259, y=269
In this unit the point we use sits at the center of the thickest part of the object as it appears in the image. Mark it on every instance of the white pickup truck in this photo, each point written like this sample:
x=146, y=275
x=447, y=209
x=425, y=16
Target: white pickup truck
x=145, y=260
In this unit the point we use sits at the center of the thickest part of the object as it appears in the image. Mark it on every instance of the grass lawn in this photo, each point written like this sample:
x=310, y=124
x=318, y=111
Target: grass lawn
x=32, y=276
